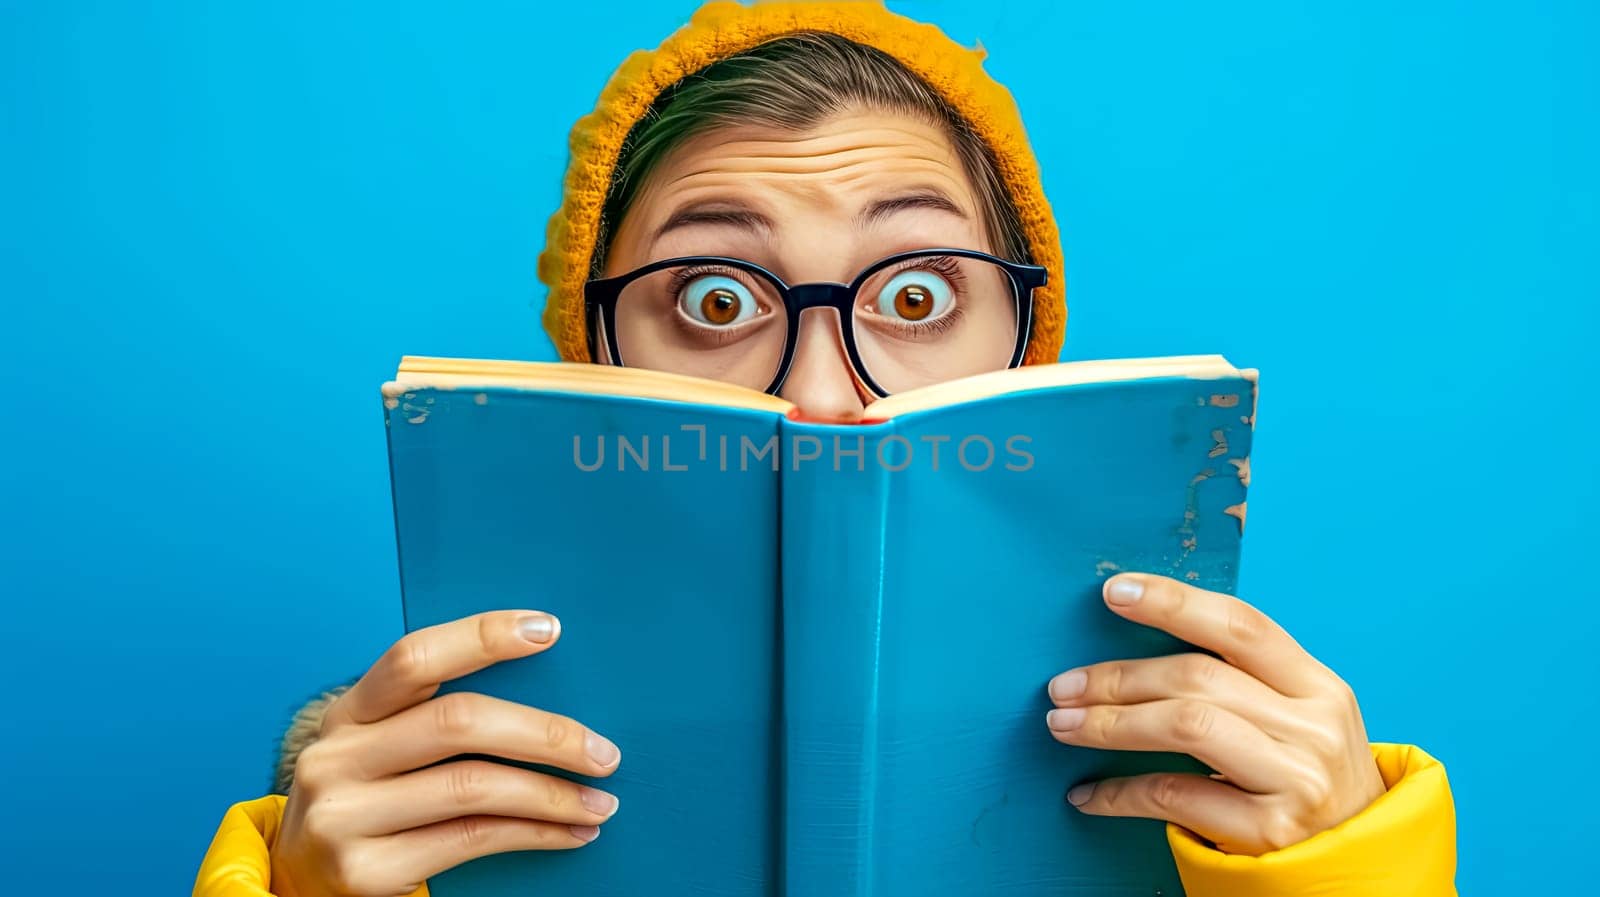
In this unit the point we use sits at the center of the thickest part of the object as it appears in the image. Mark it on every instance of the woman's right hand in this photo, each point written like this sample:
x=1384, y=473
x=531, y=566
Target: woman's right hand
x=370, y=814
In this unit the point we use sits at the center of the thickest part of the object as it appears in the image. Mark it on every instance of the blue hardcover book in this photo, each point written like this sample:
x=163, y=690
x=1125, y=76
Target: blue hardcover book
x=822, y=649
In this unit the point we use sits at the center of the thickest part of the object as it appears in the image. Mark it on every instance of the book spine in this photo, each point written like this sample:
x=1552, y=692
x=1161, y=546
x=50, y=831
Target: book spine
x=834, y=500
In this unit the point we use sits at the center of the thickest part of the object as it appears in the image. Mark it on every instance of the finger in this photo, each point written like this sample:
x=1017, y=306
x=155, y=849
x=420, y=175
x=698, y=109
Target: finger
x=466, y=723
x=414, y=856
x=414, y=667
x=1222, y=740
x=1244, y=636
x=1198, y=676
x=1219, y=813
x=477, y=788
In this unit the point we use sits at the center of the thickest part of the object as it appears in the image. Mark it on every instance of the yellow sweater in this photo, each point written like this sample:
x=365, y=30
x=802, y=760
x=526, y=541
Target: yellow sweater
x=1403, y=845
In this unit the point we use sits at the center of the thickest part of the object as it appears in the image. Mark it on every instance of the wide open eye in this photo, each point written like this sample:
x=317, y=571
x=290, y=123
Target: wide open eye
x=916, y=295
x=716, y=300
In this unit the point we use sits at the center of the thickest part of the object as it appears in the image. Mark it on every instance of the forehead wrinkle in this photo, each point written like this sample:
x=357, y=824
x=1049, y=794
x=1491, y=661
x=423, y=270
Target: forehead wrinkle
x=836, y=162
x=761, y=150
x=842, y=143
x=954, y=182
x=830, y=172
x=856, y=130
x=743, y=185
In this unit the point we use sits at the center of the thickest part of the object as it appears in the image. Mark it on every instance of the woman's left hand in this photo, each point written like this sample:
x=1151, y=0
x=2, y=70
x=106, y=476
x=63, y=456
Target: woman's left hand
x=1283, y=731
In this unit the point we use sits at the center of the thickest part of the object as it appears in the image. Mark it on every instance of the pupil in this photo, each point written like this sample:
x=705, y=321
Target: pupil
x=720, y=306
x=913, y=302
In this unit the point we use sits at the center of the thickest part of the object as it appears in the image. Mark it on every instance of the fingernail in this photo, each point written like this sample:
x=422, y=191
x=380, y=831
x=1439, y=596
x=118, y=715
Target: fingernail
x=539, y=628
x=1078, y=795
x=1069, y=685
x=1125, y=591
x=585, y=833
x=597, y=801
x=600, y=750
x=1065, y=720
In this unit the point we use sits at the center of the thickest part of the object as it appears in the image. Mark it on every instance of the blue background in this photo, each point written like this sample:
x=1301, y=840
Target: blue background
x=221, y=225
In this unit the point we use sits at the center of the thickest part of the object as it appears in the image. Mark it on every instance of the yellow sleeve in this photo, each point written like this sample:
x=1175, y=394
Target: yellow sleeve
x=239, y=861
x=1403, y=845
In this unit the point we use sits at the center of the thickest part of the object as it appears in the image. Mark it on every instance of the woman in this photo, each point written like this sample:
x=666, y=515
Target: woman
x=816, y=139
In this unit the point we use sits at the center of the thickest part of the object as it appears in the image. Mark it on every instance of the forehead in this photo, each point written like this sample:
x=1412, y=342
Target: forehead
x=853, y=153
x=825, y=186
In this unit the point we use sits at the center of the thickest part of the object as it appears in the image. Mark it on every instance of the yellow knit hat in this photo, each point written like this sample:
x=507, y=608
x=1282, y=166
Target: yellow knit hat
x=722, y=29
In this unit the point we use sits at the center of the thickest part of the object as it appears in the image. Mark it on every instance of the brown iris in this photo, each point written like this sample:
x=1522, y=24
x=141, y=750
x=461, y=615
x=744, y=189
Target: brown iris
x=720, y=306
x=913, y=302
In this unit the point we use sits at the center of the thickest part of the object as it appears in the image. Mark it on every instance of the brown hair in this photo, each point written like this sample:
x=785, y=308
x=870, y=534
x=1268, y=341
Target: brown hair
x=793, y=83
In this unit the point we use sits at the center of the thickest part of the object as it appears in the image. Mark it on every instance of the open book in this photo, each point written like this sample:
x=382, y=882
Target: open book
x=822, y=649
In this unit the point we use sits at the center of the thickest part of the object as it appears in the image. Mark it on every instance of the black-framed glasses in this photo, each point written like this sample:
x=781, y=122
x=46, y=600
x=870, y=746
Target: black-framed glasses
x=909, y=320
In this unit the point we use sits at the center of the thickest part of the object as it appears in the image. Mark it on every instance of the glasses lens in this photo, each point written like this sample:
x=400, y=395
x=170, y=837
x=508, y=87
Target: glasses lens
x=711, y=321
x=934, y=318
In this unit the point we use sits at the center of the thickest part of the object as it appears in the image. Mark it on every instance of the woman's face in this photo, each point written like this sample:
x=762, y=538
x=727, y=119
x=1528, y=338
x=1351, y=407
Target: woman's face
x=812, y=206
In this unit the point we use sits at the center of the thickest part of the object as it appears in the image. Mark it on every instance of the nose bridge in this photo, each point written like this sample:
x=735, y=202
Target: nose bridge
x=819, y=295
x=821, y=380
x=818, y=333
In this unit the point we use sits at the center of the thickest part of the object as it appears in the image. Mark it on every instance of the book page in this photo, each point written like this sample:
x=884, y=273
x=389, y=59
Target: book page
x=1044, y=376
x=563, y=376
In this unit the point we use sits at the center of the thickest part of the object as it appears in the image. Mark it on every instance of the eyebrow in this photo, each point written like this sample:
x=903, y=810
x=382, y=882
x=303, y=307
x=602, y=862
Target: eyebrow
x=719, y=213
x=926, y=198
x=727, y=213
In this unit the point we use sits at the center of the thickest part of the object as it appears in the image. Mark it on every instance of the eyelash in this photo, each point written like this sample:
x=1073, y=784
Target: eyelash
x=948, y=268
x=938, y=325
x=681, y=277
x=943, y=265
